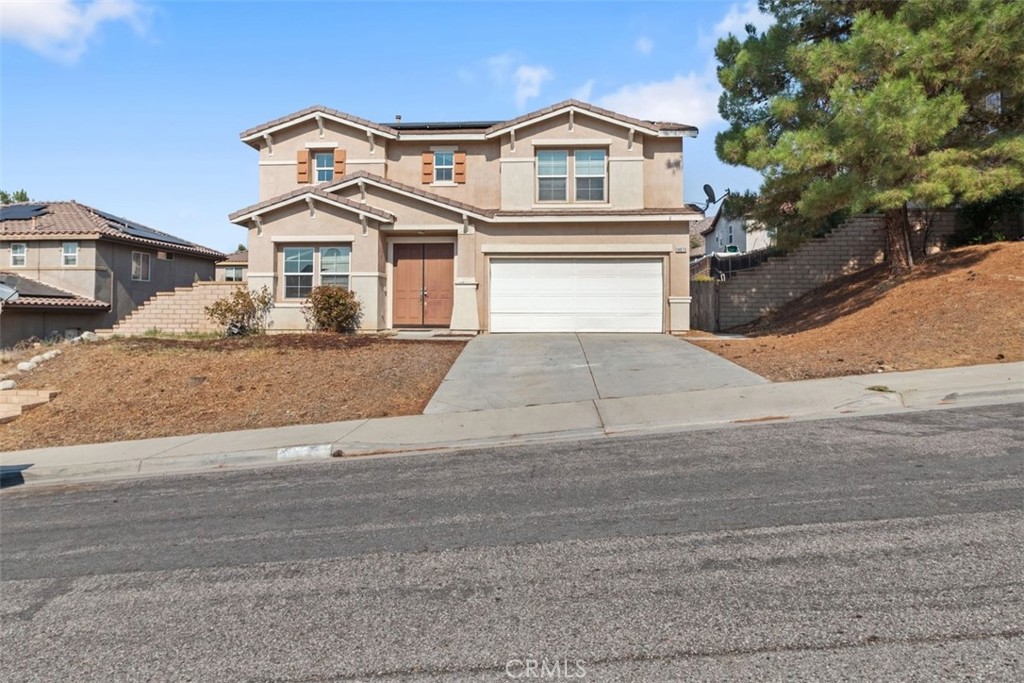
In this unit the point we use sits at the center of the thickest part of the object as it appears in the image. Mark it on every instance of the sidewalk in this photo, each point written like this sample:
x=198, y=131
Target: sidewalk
x=757, y=404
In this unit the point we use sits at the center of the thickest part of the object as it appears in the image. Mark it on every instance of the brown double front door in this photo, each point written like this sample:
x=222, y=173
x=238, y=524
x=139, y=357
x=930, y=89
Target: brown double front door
x=423, y=284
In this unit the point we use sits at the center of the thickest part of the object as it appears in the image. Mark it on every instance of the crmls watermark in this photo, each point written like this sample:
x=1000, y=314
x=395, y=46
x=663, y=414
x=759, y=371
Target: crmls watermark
x=545, y=669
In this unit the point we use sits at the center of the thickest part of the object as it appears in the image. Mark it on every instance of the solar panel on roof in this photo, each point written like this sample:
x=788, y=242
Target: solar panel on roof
x=138, y=230
x=21, y=212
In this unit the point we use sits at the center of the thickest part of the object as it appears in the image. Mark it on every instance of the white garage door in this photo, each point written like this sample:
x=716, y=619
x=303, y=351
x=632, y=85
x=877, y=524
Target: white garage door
x=576, y=295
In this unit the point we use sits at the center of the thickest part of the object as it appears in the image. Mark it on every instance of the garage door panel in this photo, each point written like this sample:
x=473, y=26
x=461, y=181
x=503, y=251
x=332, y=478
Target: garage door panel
x=576, y=295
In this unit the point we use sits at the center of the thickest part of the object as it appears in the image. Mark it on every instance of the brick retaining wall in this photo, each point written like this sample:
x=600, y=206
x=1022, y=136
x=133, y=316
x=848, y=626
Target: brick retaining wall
x=856, y=244
x=176, y=312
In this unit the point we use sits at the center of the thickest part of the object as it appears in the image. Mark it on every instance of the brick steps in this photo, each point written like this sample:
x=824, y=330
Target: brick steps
x=177, y=312
x=14, y=402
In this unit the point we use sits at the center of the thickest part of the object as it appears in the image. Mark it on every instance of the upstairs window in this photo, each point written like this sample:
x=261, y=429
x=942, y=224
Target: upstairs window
x=444, y=167
x=590, y=175
x=324, y=165
x=552, y=175
x=69, y=254
x=319, y=166
x=19, y=252
x=140, y=266
x=587, y=171
x=233, y=274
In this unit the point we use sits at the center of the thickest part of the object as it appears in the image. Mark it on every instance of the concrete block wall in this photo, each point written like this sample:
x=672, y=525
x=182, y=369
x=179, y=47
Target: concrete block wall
x=176, y=312
x=856, y=244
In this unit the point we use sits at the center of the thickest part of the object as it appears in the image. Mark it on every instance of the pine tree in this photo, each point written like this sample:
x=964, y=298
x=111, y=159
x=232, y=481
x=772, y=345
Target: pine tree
x=874, y=106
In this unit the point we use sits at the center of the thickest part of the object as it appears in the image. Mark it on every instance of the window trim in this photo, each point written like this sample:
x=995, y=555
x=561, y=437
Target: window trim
x=317, y=168
x=23, y=255
x=232, y=270
x=604, y=178
x=571, y=176
x=449, y=167
x=64, y=255
x=317, y=272
x=145, y=266
x=564, y=176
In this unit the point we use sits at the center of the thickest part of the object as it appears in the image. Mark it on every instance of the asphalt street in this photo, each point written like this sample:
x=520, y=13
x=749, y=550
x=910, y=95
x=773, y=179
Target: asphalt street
x=880, y=548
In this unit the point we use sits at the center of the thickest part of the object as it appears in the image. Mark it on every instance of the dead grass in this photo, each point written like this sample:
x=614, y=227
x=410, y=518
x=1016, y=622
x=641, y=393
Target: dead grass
x=150, y=387
x=962, y=307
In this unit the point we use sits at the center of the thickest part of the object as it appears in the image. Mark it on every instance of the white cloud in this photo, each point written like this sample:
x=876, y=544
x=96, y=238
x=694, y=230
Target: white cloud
x=528, y=82
x=690, y=99
x=584, y=91
x=644, y=45
x=61, y=29
x=500, y=67
x=735, y=22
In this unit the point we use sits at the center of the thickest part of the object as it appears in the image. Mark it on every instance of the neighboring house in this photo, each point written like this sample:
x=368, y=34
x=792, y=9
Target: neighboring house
x=735, y=235
x=697, y=241
x=566, y=219
x=76, y=268
x=234, y=267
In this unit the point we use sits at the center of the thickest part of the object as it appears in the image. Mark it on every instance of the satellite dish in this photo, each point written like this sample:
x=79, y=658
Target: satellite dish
x=710, y=192
x=8, y=293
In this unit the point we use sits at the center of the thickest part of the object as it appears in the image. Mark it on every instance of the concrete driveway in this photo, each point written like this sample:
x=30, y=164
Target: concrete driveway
x=511, y=370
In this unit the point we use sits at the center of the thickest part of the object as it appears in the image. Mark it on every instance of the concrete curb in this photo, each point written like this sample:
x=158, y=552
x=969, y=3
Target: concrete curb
x=603, y=418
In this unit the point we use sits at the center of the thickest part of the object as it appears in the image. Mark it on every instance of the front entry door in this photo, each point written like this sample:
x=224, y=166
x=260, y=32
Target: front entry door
x=423, y=284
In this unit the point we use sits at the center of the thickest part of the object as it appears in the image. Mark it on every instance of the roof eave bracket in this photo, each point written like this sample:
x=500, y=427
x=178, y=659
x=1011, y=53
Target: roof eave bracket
x=312, y=207
x=369, y=137
x=269, y=139
x=320, y=124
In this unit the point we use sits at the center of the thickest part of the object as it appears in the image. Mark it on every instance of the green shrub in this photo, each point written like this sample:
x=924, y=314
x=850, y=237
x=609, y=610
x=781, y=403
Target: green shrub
x=332, y=309
x=702, y=277
x=244, y=311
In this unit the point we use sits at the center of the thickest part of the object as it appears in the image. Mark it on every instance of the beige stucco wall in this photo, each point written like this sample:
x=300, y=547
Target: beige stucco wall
x=663, y=172
x=293, y=225
x=278, y=168
x=482, y=187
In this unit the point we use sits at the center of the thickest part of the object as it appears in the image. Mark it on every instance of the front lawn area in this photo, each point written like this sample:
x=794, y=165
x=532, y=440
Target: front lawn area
x=140, y=388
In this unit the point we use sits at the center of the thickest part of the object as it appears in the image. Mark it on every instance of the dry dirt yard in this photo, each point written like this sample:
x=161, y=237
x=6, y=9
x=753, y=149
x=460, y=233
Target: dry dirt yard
x=961, y=307
x=149, y=387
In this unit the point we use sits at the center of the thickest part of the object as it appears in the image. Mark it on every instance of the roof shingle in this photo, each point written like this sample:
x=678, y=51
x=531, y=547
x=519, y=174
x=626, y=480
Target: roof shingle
x=71, y=219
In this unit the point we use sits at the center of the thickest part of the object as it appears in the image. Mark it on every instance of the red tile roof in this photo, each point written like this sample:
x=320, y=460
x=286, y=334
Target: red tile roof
x=241, y=257
x=441, y=128
x=316, y=191
x=35, y=294
x=72, y=219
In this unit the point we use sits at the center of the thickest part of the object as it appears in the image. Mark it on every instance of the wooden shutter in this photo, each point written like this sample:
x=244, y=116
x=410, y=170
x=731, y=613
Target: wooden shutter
x=302, y=166
x=460, y=167
x=339, y=163
x=428, y=167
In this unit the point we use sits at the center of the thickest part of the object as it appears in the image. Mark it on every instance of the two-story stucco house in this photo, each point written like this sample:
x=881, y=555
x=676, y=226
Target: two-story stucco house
x=76, y=268
x=567, y=219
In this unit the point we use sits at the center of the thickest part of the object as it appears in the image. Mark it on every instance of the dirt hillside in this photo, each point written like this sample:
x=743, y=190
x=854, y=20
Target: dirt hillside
x=961, y=307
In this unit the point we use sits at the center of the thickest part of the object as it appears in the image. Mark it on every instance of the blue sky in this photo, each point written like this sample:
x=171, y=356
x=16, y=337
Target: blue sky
x=135, y=107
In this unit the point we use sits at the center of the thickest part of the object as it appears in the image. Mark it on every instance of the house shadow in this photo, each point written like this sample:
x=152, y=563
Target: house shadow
x=11, y=475
x=849, y=294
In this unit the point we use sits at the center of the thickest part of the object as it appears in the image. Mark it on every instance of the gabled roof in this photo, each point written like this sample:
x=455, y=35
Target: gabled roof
x=319, y=193
x=708, y=225
x=326, y=191
x=56, y=220
x=35, y=294
x=477, y=129
x=310, y=113
x=651, y=127
x=408, y=190
x=239, y=257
